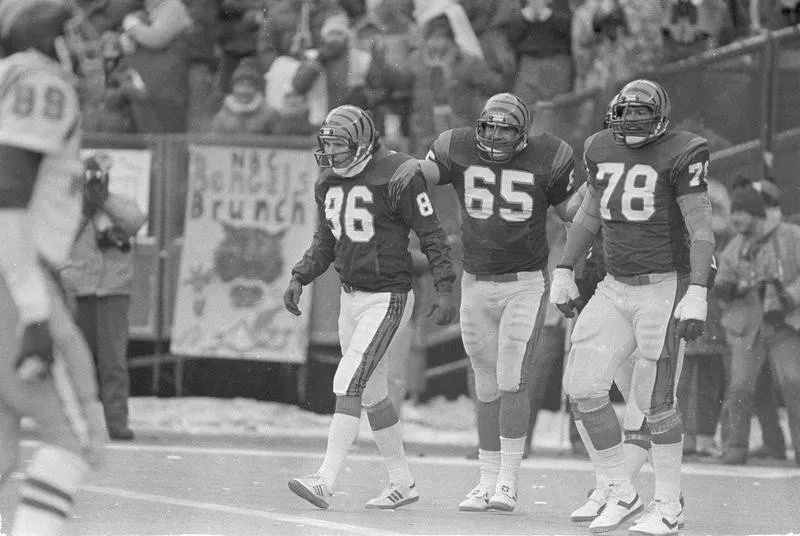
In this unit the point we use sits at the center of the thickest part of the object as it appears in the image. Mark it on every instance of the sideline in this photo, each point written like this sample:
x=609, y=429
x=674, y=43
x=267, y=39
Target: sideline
x=344, y=528
x=562, y=464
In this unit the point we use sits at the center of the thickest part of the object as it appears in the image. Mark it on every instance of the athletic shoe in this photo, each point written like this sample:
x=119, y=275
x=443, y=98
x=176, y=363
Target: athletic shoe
x=504, y=498
x=394, y=496
x=660, y=519
x=622, y=504
x=477, y=500
x=311, y=488
x=595, y=503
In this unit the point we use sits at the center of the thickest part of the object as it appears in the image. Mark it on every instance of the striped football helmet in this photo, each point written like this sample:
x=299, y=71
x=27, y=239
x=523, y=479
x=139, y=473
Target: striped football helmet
x=639, y=131
x=503, y=110
x=609, y=112
x=353, y=126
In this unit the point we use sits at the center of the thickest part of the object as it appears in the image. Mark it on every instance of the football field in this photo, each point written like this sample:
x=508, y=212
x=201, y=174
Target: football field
x=196, y=486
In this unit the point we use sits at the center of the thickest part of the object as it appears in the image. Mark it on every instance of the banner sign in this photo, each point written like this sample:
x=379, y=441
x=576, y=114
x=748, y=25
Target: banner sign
x=250, y=215
x=129, y=175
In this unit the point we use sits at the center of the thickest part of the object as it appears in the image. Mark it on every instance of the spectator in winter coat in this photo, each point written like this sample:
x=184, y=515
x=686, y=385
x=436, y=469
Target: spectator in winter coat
x=161, y=57
x=245, y=111
x=291, y=27
x=337, y=73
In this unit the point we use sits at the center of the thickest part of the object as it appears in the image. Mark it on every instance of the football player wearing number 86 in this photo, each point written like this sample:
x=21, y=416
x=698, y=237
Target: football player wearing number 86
x=505, y=180
x=368, y=200
x=647, y=190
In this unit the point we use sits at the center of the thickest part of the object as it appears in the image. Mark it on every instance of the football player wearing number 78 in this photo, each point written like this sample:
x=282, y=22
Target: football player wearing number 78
x=505, y=179
x=647, y=190
x=368, y=200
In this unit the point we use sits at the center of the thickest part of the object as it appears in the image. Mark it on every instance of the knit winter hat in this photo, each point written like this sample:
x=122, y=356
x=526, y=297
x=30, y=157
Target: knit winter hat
x=748, y=200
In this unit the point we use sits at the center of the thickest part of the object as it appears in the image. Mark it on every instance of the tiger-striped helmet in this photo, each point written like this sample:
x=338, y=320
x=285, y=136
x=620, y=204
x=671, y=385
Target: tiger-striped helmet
x=353, y=126
x=609, y=112
x=503, y=110
x=636, y=132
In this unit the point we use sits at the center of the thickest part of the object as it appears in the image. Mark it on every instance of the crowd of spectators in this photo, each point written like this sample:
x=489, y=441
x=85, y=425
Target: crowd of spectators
x=421, y=66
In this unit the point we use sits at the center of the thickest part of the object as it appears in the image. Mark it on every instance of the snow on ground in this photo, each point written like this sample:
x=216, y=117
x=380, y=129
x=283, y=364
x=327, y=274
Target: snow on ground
x=437, y=422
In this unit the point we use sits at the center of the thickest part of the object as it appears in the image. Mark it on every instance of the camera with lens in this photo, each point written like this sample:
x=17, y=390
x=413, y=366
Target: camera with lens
x=772, y=301
x=113, y=237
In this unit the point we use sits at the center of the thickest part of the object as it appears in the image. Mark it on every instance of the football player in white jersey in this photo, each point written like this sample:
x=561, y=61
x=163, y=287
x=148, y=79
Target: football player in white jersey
x=46, y=371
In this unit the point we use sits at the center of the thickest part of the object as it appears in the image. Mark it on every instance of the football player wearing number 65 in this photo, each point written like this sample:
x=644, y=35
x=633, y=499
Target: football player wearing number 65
x=505, y=180
x=368, y=199
x=647, y=191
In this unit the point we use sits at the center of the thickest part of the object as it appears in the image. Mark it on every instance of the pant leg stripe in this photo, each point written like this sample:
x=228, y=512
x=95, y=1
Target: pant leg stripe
x=533, y=340
x=663, y=396
x=379, y=343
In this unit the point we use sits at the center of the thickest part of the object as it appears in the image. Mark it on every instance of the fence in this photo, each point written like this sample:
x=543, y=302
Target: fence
x=745, y=94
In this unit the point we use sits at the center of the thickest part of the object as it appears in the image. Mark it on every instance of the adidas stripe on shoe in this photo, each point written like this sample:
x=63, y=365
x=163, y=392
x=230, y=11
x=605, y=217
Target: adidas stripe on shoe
x=313, y=489
x=394, y=496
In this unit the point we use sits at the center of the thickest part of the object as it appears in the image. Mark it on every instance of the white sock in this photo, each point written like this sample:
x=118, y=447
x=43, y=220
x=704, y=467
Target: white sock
x=489, y=462
x=342, y=433
x=614, y=464
x=667, y=467
x=600, y=478
x=51, y=480
x=511, y=450
x=390, y=445
x=636, y=456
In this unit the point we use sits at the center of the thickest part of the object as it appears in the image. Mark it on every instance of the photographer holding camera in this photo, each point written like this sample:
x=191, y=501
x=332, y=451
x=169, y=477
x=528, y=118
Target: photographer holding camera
x=758, y=284
x=99, y=275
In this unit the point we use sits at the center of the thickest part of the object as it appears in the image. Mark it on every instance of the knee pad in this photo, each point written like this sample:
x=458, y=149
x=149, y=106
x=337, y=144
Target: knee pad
x=349, y=405
x=515, y=411
x=666, y=427
x=640, y=437
x=382, y=415
x=601, y=422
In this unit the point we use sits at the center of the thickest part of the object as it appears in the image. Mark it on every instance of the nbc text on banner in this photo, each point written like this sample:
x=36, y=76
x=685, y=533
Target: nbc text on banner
x=250, y=215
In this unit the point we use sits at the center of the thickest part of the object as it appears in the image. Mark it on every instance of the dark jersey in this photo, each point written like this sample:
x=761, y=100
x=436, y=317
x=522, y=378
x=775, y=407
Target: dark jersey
x=363, y=227
x=504, y=207
x=643, y=228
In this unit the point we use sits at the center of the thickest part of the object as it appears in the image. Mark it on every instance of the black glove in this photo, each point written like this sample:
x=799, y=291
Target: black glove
x=444, y=307
x=291, y=297
x=35, y=359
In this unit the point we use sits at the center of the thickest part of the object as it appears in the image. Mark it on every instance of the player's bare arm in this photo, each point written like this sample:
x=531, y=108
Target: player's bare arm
x=568, y=208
